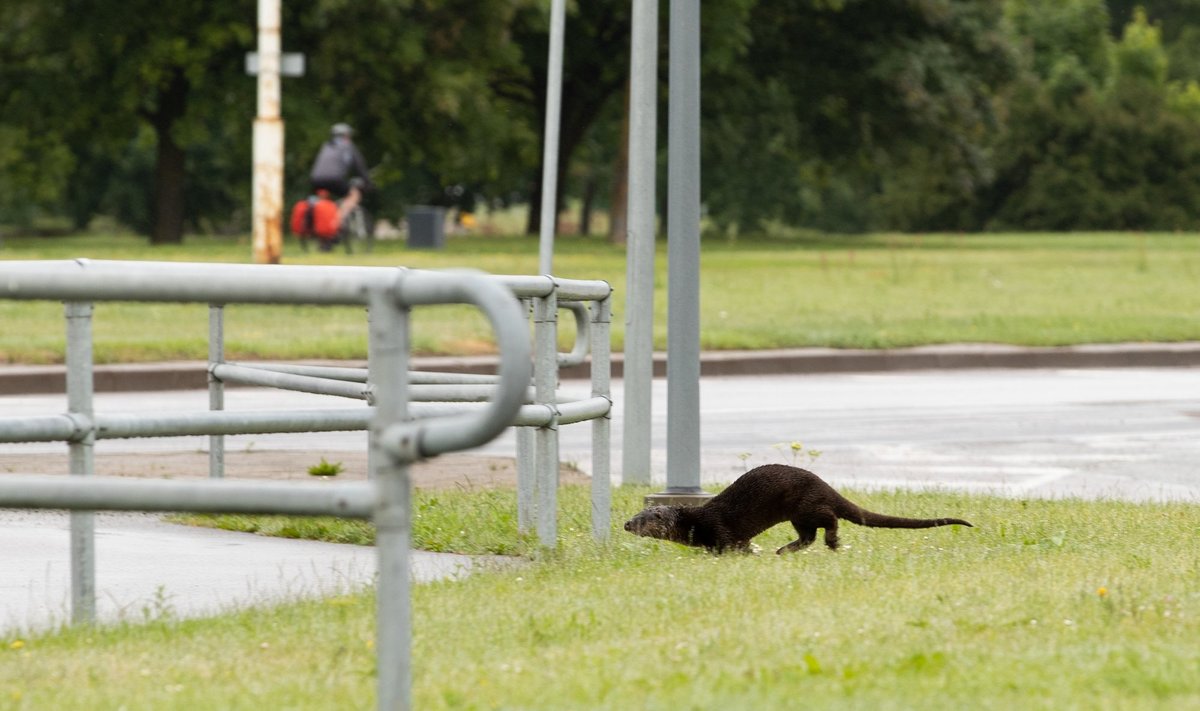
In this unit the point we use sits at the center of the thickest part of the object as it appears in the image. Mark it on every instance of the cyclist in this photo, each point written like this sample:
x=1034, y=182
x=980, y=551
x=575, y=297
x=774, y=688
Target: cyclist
x=340, y=169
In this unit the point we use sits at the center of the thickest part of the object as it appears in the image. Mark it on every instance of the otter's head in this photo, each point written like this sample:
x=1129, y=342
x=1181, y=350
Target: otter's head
x=656, y=522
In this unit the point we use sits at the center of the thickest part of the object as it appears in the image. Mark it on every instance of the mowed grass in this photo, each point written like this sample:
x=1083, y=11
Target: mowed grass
x=1044, y=605
x=873, y=291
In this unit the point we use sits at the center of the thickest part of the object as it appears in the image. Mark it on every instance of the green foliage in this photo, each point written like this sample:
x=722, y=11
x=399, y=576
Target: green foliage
x=844, y=116
x=325, y=468
x=311, y=528
x=1123, y=155
x=879, y=82
x=1139, y=56
x=1055, y=35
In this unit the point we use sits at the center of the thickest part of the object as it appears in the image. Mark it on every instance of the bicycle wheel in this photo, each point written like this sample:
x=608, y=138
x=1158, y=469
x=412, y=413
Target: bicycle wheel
x=355, y=230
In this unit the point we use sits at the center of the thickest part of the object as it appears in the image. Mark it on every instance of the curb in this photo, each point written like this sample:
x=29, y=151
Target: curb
x=193, y=375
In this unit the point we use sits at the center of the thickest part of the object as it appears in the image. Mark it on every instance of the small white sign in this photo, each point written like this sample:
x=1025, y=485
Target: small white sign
x=291, y=64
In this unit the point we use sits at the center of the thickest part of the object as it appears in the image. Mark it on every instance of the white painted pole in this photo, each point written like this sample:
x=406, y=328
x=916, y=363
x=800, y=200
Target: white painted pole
x=683, y=239
x=639, y=284
x=550, y=139
x=267, y=196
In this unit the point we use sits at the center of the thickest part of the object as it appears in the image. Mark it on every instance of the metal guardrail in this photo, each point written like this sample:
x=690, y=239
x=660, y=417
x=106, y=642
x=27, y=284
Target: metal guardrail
x=402, y=430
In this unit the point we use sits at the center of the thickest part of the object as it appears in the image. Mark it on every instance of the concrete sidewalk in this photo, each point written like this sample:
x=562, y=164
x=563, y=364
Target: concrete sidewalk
x=148, y=569
x=192, y=375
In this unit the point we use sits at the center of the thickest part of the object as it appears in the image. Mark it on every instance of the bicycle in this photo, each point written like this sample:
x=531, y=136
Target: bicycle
x=354, y=227
x=357, y=228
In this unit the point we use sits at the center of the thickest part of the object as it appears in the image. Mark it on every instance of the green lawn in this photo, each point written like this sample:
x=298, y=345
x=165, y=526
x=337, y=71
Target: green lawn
x=1044, y=605
x=873, y=291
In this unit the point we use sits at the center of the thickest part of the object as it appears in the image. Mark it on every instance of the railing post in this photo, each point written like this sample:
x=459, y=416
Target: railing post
x=372, y=376
x=82, y=459
x=601, y=426
x=526, y=468
x=389, y=343
x=545, y=376
x=216, y=388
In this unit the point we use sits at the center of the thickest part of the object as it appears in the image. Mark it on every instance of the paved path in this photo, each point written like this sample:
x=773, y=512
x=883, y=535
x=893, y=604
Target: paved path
x=147, y=569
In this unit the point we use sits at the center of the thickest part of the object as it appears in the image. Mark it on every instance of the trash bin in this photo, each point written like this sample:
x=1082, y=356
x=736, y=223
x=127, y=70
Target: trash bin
x=426, y=226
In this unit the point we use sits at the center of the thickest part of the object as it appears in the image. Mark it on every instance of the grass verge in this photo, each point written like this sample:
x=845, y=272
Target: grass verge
x=473, y=522
x=870, y=291
x=1045, y=605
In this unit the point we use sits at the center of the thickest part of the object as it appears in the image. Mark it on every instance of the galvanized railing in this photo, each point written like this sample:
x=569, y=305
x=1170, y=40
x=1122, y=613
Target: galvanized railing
x=401, y=429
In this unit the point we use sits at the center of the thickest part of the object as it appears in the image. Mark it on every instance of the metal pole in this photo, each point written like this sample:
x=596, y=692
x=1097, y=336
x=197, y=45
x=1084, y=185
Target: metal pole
x=526, y=479
x=216, y=388
x=389, y=342
x=545, y=376
x=372, y=377
x=601, y=426
x=683, y=218
x=268, y=141
x=639, y=298
x=526, y=464
x=550, y=139
x=82, y=461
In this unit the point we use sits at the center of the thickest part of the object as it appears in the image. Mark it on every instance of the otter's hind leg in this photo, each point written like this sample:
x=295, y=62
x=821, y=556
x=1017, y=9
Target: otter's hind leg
x=829, y=521
x=807, y=536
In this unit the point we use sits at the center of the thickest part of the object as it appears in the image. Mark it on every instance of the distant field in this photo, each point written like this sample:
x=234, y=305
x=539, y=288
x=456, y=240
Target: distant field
x=874, y=291
x=1044, y=605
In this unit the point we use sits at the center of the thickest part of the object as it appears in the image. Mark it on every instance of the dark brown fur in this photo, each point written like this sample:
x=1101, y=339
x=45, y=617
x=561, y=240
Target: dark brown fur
x=759, y=499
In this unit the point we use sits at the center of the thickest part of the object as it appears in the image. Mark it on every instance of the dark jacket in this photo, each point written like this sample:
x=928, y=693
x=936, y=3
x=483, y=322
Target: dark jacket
x=339, y=160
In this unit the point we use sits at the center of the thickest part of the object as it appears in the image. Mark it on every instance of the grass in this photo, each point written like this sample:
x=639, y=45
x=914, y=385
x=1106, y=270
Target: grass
x=1045, y=605
x=873, y=291
x=476, y=522
x=325, y=468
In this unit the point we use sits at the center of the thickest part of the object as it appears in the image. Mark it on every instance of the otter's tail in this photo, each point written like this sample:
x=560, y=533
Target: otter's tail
x=869, y=518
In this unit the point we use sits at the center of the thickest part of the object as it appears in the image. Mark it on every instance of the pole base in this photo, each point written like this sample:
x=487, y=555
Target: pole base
x=678, y=498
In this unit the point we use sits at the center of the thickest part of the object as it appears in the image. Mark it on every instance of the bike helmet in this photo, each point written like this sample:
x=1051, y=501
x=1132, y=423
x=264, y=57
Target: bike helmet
x=342, y=129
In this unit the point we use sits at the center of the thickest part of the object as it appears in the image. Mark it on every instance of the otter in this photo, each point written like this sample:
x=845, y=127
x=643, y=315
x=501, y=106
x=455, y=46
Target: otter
x=759, y=499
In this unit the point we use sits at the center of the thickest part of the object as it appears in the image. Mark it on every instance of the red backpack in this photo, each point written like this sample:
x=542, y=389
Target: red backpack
x=315, y=216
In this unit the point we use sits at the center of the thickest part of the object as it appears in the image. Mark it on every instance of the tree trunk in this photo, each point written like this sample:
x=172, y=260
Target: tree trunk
x=533, y=220
x=618, y=210
x=170, y=171
x=585, y=207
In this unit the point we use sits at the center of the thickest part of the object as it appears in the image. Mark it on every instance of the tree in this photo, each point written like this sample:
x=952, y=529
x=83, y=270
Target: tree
x=1123, y=153
x=832, y=97
x=595, y=66
x=132, y=64
x=412, y=77
x=154, y=109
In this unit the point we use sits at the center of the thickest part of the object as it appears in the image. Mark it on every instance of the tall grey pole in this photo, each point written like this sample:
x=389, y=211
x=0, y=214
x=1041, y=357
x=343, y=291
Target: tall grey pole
x=216, y=388
x=82, y=461
x=545, y=375
x=550, y=139
x=639, y=283
x=601, y=315
x=683, y=240
x=389, y=344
